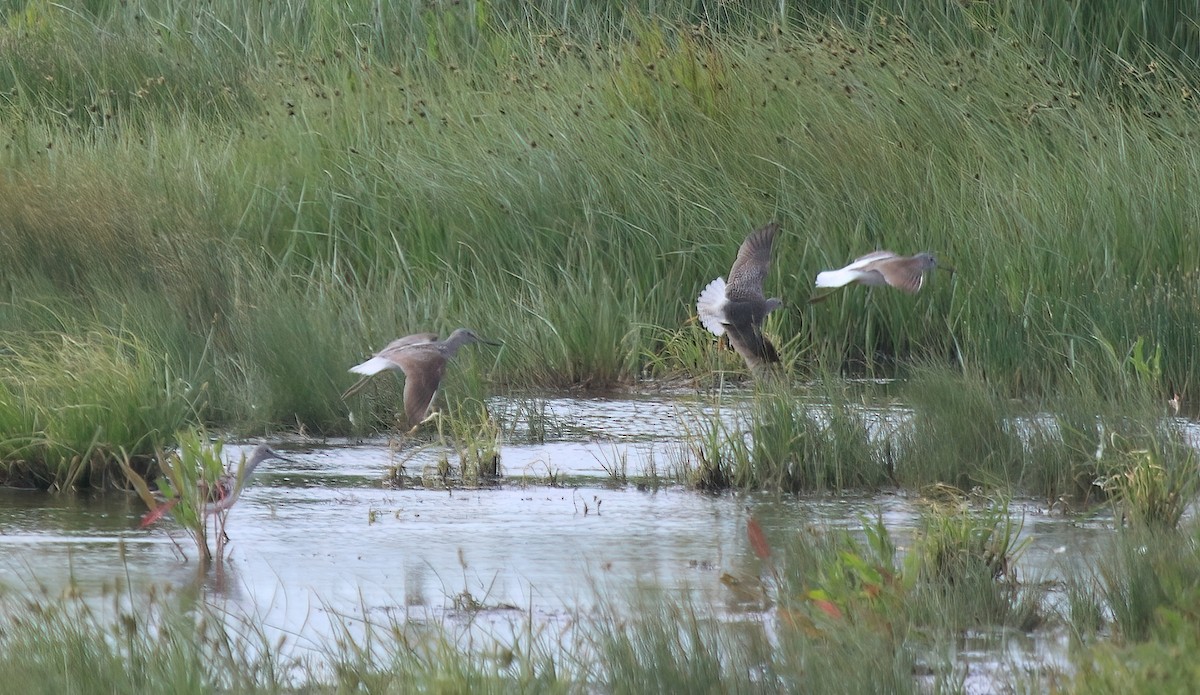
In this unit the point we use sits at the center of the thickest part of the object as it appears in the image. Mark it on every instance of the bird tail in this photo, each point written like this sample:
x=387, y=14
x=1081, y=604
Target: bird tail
x=374, y=365
x=836, y=278
x=710, y=306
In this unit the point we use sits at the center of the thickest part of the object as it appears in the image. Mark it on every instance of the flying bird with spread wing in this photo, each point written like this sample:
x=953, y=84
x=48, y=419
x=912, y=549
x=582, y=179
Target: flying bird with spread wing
x=738, y=307
x=423, y=359
x=906, y=273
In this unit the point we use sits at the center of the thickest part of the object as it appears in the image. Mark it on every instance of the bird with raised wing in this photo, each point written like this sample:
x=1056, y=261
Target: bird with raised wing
x=738, y=307
x=422, y=358
x=906, y=273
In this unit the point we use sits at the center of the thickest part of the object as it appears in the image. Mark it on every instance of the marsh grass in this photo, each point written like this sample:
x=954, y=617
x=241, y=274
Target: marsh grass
x=1142, y=575
x=1152, y=489
x=784, y=439
x=69, y=405
x=567, y=178
x=841, y=596
x=957, y=574
x=960, y=433
x=465, y=442
x=1125, y=668
x=964, y=561
x=528, y=420
x=54, y=645
x=477, y=441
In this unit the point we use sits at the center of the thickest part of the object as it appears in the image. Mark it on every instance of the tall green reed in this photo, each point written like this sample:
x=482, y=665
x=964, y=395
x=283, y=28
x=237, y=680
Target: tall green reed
x=574, y=189
x=69, y=407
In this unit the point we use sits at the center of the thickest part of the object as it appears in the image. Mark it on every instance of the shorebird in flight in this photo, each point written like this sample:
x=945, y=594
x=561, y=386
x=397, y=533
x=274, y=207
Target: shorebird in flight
x=422, y=358
x=737, y=308
x=906, y=273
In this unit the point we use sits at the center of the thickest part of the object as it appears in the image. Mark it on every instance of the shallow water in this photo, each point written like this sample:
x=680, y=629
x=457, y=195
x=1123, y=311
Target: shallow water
x=325, y=536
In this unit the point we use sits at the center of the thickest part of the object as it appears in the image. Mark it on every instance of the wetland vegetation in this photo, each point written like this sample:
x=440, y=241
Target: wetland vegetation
x=208, y=213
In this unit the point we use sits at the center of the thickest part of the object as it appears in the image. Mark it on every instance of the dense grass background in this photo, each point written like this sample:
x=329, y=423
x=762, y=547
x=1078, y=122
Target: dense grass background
x=260, y=194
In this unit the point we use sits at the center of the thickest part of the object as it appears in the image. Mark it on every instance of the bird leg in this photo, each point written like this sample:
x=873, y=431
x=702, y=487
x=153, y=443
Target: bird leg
x=358, y=386
x=435, y=416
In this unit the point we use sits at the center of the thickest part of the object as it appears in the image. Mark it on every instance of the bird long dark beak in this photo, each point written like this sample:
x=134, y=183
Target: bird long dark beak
x=947, y=268
x=493, y=343
x=276, y=455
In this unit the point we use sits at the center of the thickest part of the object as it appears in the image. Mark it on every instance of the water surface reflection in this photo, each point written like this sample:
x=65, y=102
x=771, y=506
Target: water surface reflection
x=323, y=537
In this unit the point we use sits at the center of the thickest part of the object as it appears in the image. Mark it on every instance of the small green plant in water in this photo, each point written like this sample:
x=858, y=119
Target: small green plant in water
x=196, y=486
x=1151, y=491
x=477, y=438
x=958, y=542
x=474, y=436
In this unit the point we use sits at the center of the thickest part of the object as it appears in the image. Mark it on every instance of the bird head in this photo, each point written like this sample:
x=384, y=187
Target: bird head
x=462, y=336
x=929, y=261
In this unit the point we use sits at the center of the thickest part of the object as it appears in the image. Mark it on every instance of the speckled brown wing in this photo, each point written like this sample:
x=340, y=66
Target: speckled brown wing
x=751, y=266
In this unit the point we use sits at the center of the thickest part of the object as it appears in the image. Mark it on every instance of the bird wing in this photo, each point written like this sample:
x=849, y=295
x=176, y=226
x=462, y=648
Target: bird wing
x=401, y=346
x=750, y=268
x=414, y=339
x=902, y=273
x=861, y=270
x=385, y=359
x=749, y=342
x=423, y=370
x=873, y=257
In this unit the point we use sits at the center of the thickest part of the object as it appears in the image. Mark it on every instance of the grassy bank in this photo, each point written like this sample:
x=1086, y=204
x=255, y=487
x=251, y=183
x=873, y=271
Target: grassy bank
x=263, y=195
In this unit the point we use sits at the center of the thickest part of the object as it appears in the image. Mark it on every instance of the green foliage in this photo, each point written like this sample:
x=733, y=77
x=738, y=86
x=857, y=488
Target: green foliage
x=566, y=176
x=961, y=433
x=964, y=564
x=1159, y=666
x=1142, y=572
x=52, y=645
x=194, y=477
x=70, y=405
x=783, y=440
x=1154, y=490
